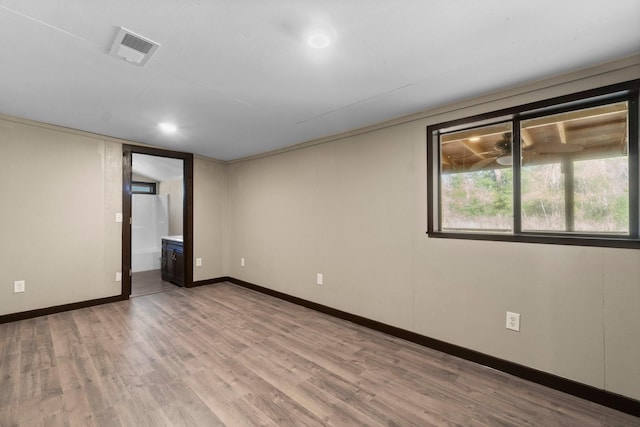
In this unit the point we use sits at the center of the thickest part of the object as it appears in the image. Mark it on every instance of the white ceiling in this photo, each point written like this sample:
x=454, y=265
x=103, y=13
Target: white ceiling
x=238, y=79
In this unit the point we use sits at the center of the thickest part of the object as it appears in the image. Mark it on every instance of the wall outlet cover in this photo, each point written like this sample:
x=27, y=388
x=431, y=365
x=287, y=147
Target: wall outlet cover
x=513, y=321
x=19, y=286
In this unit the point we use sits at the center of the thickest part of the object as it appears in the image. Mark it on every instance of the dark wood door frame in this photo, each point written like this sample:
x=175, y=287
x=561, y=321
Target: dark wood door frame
x=187, y=209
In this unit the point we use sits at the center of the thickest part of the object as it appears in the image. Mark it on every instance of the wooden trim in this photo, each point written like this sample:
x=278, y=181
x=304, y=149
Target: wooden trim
x=126, y=225
x=583, y=391
x=433, y=162
x=211, y=281
x=187, y=226
x=13, y=317
x=550, y=239
x=633, y=133
x=583, y=99
x=58, y=309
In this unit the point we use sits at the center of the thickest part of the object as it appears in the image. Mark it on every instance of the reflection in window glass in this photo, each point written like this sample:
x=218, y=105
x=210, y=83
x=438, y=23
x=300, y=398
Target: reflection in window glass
x=602, y=195
x=477, y=179
x=575, y=171
x=560, y=171
x=543, y=198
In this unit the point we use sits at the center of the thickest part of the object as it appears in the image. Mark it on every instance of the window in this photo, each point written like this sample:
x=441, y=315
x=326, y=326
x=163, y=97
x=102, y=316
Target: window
x=476, y=186
x=559, y=171
x=139, y=187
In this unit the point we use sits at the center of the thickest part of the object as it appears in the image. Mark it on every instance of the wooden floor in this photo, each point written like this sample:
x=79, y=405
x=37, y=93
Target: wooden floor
x=149, y=282
x=223, y=355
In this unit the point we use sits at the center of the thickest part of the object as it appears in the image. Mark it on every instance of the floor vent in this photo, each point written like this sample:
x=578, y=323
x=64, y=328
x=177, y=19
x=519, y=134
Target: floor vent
x=133, y=47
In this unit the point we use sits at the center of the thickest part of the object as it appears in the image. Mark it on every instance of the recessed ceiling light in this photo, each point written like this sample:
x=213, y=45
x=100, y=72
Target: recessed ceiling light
x=474, y=139
x=319, y=36
x=318, y=40
x=167, y=127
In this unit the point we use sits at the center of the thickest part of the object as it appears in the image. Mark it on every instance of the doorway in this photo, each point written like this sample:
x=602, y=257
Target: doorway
x=144, y=225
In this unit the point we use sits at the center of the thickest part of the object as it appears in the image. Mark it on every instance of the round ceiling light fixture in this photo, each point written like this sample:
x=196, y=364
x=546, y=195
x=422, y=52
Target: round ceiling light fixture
x=167, y=127
x=319, y=36
x=318, y=40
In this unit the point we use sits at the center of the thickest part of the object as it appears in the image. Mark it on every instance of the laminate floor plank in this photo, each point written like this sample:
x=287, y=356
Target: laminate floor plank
x=149, y=282
x=242, y=413
x=332, y=409
x=222, y=355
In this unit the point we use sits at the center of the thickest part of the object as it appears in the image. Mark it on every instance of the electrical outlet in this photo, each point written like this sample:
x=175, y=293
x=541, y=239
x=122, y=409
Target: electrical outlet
x=241, y=262
x=118, y=276
x=513, y=321
x=198, y=262
x=319, y=279
x=118, y=216
x=18, y=286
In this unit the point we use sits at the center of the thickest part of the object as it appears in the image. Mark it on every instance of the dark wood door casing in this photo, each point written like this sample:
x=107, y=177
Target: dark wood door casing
x=187, y=226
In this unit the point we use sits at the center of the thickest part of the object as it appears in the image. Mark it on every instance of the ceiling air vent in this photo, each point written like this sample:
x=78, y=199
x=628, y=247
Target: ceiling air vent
x=133, y=47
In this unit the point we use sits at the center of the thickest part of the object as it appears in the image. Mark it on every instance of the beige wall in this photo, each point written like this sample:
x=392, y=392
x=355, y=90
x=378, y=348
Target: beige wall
x=60, y=194
x=354, y=209
x=175, y=190
x=62, y=189
x=210, y=218
x=141, y=178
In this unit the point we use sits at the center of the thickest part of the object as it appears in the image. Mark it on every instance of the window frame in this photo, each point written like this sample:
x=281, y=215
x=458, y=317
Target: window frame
x=152, y=186
x=628, y=91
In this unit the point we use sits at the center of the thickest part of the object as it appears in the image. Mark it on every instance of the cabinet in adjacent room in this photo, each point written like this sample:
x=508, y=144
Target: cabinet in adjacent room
x=173, y=260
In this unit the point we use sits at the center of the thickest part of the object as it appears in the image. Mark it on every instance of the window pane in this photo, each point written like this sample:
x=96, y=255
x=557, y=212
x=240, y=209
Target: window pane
x=476, y=185
x=143, y=187
x=543, y=198
x=575, y=171
x=602, y=195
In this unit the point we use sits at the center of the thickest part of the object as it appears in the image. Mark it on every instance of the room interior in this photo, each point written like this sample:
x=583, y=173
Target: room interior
x=301, y=167
x=157, y=214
